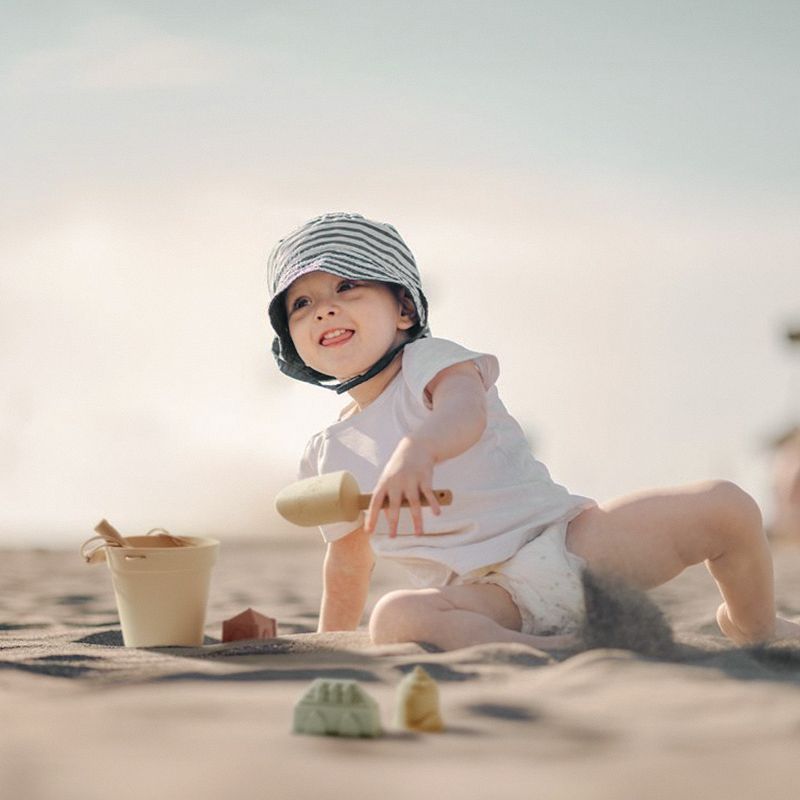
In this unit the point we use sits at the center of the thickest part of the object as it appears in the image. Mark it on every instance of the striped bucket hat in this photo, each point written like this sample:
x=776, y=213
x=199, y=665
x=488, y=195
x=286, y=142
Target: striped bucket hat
x=350, y=246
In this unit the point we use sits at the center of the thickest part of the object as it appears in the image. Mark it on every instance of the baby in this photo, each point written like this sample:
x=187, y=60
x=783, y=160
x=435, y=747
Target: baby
x=503, y=563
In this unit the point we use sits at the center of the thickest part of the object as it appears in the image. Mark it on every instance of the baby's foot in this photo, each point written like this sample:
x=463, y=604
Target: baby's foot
x=782, y=629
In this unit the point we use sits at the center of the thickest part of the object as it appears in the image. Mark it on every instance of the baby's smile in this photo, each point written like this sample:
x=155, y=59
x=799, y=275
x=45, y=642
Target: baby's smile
x=336, y=336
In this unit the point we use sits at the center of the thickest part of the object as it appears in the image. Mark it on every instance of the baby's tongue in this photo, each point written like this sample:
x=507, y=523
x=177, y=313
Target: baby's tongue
x=341, y=337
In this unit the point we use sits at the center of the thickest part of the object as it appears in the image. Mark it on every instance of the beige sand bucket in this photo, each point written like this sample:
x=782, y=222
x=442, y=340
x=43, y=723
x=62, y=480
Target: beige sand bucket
x=162, y=588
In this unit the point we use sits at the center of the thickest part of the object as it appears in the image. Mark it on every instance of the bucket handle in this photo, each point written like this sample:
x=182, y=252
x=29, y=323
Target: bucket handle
x=94, y=550
x=177, y=541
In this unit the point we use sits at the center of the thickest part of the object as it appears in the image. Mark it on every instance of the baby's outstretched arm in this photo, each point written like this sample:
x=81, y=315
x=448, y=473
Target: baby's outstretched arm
x=456, y=422
x=346, y=574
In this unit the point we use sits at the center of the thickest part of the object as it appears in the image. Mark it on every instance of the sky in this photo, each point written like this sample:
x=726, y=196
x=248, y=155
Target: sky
x=603, y=194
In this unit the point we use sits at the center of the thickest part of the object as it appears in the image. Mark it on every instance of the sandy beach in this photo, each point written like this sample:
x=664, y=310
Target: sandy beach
x=86, y=718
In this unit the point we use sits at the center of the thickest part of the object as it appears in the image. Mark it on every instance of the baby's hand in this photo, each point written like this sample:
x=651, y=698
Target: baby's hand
x=409, y=475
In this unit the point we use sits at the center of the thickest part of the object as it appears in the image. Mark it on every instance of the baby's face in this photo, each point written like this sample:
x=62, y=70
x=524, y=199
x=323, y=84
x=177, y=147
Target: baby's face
x=340, y=326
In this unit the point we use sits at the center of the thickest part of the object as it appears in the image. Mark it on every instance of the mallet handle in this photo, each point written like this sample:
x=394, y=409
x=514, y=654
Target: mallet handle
x=444, y=496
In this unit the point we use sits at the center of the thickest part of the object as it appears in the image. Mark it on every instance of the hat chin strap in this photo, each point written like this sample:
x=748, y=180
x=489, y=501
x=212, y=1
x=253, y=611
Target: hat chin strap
x=378, y=366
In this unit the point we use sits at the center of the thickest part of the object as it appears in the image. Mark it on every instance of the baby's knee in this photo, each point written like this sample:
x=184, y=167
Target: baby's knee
x=400, y=616
x=734, y=513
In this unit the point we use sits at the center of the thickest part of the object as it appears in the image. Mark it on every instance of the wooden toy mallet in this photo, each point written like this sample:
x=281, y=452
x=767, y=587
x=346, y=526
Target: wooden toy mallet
x=333, y=497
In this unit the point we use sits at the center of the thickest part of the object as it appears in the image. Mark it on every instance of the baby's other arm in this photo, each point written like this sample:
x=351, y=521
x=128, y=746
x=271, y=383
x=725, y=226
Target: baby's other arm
x=456, y=422
x=345, y=578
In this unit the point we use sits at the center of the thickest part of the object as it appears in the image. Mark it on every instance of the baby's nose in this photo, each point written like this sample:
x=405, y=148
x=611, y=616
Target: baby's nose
x=329, y=313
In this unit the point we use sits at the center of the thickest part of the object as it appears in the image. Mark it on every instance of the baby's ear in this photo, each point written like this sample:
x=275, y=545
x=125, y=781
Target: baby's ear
x=407, y=308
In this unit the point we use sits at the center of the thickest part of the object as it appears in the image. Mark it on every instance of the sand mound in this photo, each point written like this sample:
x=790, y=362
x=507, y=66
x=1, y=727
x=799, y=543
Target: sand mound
x=656, y=704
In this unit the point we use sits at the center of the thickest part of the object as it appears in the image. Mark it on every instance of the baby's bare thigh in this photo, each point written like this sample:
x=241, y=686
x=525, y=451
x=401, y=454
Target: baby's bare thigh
x=649, y=537
x=489, y=599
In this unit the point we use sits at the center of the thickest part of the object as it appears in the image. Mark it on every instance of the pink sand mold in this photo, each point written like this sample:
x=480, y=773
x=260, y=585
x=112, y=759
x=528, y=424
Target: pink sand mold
x=333, y=707
x=249, y=625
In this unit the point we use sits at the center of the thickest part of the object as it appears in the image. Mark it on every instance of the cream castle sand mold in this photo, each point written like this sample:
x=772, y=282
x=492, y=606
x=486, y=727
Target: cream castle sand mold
x=84, y=716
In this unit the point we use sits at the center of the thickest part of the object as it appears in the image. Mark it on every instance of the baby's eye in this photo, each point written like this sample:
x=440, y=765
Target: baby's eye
x=300, y=302
x=347, y=284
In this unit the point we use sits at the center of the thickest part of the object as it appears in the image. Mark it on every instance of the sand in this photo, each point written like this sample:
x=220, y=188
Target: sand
x=85, y=718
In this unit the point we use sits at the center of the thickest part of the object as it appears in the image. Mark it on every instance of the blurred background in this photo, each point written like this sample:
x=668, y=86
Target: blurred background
x=606, y=195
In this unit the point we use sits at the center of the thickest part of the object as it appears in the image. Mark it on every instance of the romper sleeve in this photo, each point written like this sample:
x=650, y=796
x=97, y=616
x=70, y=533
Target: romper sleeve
x=308, y=463
x=424, y=359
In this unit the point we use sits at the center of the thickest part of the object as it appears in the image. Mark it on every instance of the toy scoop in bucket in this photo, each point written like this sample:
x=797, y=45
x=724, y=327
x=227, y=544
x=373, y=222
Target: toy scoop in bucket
x=93, y=550
x=161, y=583
x=333, y=497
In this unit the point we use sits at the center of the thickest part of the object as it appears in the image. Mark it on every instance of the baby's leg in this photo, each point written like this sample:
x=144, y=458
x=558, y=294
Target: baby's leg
x=453, y=617
x=648, y=538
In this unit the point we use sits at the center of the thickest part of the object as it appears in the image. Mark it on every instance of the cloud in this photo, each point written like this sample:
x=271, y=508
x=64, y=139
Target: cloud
x=123, y=53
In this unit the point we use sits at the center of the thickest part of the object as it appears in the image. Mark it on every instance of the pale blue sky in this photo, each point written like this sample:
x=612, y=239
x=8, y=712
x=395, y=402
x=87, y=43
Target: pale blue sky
x=605, y=194
x=701, y=91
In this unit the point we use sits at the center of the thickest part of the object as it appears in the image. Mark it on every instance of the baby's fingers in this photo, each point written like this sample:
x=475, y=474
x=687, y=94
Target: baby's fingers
x=375, y=505
x=415, y=509
x=433, y=501
x=392, y=508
